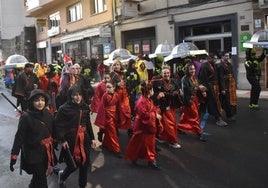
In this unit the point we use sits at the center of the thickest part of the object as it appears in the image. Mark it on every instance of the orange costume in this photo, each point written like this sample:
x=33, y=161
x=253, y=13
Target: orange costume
x=142, y=143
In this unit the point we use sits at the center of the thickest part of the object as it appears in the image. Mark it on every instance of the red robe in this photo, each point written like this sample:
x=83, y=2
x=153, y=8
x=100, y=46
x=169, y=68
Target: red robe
x=189, y=119
x=142, y=142
x=124, y=107
x=170, y=132
x=100, y=90
x=107, y=119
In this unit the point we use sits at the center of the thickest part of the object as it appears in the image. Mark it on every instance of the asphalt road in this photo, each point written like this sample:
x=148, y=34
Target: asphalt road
x=235, y=156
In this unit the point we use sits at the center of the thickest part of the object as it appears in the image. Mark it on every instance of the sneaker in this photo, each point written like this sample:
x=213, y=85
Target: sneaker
x=159, y=140
x=175, y=145
x=221, y=123
x=60, y=181
x=254, y=106
x=56, y=170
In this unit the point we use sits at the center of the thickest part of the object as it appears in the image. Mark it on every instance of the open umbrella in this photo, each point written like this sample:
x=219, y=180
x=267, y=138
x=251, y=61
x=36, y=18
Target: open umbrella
x=258, y=40
x=183, y=50
x=161, y=50
x=122, y=54
x=15, y=61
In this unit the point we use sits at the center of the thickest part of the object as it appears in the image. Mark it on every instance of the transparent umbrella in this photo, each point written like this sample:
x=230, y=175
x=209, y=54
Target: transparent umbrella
x=122, y=54
x=183, y=50
x=161, y=50
x=258, y=40
x=15, y=61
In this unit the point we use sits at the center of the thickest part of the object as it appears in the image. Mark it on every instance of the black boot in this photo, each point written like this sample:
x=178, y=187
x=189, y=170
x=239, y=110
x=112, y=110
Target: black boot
x=153, y=165
x=100, y=135
x=130, y=132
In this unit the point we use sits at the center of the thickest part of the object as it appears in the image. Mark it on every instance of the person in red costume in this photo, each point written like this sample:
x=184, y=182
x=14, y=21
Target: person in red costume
x=167, y=97
x=107, y=120
x=118, y=78
x=193, y=93
x=99, y=91
x=147, y=124
x=49, y=83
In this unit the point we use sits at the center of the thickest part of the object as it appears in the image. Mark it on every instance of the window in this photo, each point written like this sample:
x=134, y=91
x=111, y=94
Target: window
x=40, y=29
x=99, y=6
x=54, y=20
x=74, y=13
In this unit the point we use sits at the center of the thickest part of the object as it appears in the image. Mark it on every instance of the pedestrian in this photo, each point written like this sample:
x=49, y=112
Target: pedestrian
x=34, y=139
x=118, y=77
x=101, y=68
x=149, y=66
x=96, y=100
x=66, y=81
x=193, y=94
x=25, y=82
x=227, y=87
x=147, y=124
x=108, y=120
x=253, y=72
x=142, y=70
x=208, y=77
x=167, y=97
x=49, y=83
x=82, y=82
x=74, y=132
x=132, y=84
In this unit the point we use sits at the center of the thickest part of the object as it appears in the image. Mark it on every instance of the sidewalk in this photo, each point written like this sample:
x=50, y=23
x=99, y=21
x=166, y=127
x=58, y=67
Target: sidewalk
x=246, y=94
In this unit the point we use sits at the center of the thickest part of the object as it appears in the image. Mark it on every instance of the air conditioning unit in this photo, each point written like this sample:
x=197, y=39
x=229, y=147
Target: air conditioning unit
x=263, y=3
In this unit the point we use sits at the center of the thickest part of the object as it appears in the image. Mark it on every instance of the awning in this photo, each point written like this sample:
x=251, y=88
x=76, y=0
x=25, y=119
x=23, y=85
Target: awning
x=80, y=35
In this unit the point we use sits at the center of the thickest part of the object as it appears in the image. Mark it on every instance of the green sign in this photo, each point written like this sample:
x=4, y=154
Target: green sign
x=244, y=37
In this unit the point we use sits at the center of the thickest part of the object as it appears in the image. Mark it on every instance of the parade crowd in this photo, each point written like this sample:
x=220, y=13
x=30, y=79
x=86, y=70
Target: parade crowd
x=141, y=97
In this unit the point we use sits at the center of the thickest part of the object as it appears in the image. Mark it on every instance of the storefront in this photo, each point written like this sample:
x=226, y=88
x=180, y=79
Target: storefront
x=140, y=41
x=89, y=43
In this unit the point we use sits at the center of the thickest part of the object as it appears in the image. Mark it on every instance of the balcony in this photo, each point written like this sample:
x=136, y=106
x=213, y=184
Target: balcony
x=36, y=8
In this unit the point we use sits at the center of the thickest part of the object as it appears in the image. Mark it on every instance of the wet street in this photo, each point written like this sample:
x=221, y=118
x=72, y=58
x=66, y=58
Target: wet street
x=233, y=157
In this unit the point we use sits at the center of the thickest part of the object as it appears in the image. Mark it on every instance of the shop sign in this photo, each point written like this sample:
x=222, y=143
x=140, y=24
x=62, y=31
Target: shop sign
x=41, y=22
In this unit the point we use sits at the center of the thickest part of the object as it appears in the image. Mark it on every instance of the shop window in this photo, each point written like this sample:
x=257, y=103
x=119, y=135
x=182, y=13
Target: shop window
x=227, y=27
x=74, y=13
x=99, y=6
x=40, y=29
x=207, y=29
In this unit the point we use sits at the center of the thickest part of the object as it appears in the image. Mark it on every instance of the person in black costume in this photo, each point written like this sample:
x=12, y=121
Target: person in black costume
x=74, y=131
x=25, y=82
x=253, y=71
x=34, y=140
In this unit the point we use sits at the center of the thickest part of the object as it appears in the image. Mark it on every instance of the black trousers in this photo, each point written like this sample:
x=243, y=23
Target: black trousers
x=83, y=172
x=255, y=90
x=39, y=178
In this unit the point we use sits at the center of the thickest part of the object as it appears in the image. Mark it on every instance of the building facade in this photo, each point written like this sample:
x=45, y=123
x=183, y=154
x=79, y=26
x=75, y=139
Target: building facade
x=94, y=28
x=16, y=30
x=78, y=28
